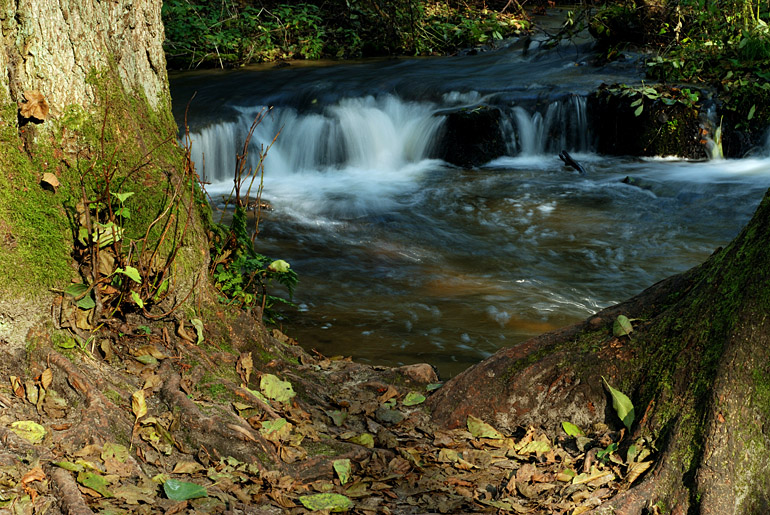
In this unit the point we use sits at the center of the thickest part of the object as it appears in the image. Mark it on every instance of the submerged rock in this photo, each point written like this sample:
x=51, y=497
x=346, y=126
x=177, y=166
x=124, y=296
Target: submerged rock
x=472, y=137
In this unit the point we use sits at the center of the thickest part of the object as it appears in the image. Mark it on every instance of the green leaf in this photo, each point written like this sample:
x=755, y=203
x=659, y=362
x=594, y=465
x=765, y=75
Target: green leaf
x=183, y=490
x=198, y=324
x=277, y=428
x=413, y=399
x=637, y=102
x=122, y=196
x=275, y=389
x=115, y=451
x=68, y=465
x=78, y=292
x=95, y=482
x=123, y=212
x=334, y=503
x=604, y=455
x=30, y=431
x=364, y=439
x=751, y=112
x=279, y=266
x=622, y=326
x=137, y=299
x=480, y=429
x=639, y=110
x=434, y=386
x=69, y=343
x=622, y=404
x=535, y=447
x=571, y=429
x=131, y=272
x=342, y=468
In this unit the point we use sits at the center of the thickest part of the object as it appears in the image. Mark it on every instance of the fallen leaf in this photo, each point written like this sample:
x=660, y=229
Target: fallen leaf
x=187, y=467
x=133, y=495
x=364, y=439
x=480, y=429
x=332, y=502
x=95, y=482
x=198, y=324
x=138, y=404
x=622, y=326
x=622, y=404
x=46, y=378
x=36, y=474
x=342, y=468
x=571, y=429
x=275, y=389
x=183, y=490
x=413, y=399
x=30, y=431
x=245, y=366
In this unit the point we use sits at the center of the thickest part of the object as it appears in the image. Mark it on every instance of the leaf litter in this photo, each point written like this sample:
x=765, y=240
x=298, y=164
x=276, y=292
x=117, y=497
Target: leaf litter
x=370, y=448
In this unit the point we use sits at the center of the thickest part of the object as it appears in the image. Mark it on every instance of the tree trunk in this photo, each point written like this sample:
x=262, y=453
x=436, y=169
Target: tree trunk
x=98, y=70
x=696, y=366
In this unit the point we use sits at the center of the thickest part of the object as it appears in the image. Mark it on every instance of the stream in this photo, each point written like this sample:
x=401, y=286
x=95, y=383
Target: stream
x=403, y=258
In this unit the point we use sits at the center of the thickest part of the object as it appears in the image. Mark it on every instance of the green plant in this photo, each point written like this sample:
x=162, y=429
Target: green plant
x=242, y=274
x=669, y=96
x=123, y=268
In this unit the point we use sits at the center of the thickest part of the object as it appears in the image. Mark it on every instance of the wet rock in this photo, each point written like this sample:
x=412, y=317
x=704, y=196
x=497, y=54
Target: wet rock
x=472, y=137
x=658, y=130
x=420, y=372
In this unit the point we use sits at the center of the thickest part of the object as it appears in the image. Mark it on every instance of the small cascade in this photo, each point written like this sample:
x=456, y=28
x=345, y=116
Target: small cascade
x=562, y=125
x=381, y=134
x=712, y=127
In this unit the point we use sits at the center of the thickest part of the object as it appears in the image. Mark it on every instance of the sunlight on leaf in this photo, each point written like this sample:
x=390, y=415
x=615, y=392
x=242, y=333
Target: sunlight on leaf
x=131, y=272
x=480, y=429
x=183, y=490
x=30, y=431
x=622, y=404
x=275, y=389
x=571, y=429
x=413, y=399
x=198, y=324
x=342, y=468
x=334, y=503
x=138, y=404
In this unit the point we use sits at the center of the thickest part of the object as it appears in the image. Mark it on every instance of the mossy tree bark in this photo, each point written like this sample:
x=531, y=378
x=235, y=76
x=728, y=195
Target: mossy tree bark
x=697, y=367
x=100, y=69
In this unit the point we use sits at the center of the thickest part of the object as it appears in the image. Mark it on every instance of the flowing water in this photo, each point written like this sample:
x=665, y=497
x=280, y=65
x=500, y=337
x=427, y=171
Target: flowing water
x=403, y=258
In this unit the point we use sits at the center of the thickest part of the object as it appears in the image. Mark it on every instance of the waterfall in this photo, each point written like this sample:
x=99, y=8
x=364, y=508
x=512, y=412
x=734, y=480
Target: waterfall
x=351, y=158
x=562, y=125
x=381, y=134
x=368, y=149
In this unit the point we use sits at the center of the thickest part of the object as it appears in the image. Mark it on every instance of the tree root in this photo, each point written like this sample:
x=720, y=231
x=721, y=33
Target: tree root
x=70, y=499
x=210, y=431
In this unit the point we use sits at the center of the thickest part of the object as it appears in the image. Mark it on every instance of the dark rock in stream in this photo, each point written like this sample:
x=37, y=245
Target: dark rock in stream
x=471, y=137
x=660, y=129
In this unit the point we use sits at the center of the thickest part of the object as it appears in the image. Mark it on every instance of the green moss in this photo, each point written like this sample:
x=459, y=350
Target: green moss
x=114, y=396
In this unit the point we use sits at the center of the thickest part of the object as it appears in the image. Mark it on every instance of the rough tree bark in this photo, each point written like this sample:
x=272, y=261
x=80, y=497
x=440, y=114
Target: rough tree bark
x=75, y=53
x=697, y=367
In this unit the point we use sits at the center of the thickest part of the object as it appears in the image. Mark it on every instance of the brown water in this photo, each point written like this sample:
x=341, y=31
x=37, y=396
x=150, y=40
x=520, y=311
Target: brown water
x=405, y=259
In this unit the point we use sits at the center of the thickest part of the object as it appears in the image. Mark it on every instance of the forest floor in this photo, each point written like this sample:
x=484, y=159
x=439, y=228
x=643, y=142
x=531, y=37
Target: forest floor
x=227, y=418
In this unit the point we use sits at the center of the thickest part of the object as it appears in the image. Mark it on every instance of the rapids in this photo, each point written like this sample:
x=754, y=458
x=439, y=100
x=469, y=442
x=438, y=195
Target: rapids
x=403, y=258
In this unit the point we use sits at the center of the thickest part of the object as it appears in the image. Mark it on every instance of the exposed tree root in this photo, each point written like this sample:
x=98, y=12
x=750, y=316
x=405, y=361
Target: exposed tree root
x=232, y=438
x=70, y=500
